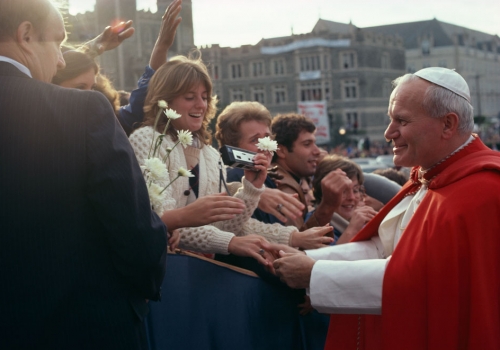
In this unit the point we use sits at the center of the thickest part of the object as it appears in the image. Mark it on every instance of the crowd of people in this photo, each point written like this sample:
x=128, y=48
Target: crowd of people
x=99, y=185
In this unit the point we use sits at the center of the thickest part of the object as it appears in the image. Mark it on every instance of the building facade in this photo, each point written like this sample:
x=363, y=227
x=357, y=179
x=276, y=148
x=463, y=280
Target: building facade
x=475, y=55
x=349, y=68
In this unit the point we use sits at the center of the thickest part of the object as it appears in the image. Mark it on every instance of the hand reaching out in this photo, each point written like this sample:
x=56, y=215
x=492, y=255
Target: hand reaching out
x=170, y=22
x=359, y=218
x=204, y=211
x=173, y=239
x=291, y=208
x=254, y=246
x=111, y=37
x=312, y=238
x=294, y=269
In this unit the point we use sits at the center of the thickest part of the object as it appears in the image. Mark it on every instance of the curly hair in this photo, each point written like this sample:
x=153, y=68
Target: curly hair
x=287, y=127
x=172, y=79
x=329, y=164
x=104, y=85
x=229, y=120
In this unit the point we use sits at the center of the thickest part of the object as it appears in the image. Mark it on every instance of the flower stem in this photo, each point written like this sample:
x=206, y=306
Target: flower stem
x=154, y=130
x=169, y=184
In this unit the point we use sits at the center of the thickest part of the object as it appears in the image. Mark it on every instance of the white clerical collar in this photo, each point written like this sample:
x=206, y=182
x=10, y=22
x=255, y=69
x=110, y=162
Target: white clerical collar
x=16, y=64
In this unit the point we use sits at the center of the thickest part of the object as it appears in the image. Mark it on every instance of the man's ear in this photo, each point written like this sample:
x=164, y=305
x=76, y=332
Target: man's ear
x=450, y=125
x=25, y=35
x=281, y=151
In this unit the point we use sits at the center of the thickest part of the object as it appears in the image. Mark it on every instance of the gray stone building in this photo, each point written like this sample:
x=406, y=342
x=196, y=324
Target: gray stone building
x=348, y=67
x=475, y=55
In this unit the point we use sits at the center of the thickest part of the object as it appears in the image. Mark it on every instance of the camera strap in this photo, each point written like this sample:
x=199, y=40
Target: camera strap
x=222, y=180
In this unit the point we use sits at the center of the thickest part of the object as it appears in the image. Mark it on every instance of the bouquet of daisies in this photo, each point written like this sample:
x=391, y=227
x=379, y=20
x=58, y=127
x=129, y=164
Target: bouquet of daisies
x=155, y=168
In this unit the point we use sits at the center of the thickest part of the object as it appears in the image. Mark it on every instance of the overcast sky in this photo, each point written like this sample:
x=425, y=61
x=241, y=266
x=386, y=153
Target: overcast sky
x=238, y=22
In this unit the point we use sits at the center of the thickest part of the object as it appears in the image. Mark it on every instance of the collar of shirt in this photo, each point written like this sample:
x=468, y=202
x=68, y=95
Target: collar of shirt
x=16, y=64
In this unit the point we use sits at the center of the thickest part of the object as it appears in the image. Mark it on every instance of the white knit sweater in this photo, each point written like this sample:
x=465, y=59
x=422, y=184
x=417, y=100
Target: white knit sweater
x=212, y=238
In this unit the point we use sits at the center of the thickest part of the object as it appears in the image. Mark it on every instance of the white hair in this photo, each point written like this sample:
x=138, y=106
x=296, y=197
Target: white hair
x=439, y=101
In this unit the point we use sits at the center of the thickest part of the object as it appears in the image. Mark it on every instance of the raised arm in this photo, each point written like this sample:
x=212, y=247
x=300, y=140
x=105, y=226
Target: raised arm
x=170, y=22
x=110, y=38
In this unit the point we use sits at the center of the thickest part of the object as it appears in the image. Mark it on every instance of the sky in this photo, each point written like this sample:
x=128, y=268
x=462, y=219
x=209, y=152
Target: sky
x=240, y=22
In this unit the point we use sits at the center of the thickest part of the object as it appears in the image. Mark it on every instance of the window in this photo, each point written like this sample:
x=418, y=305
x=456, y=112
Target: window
x=215, y=72
x=351, y=121
x=385, y=63
x=236, y=71
x=348, y=60
x=257, y=69
x=310, y=63
x=350, y=89
x=279, y=93
x=278, y=67
x=237, y=95
x=311, y=91
x=258, y=94
x=426, y=47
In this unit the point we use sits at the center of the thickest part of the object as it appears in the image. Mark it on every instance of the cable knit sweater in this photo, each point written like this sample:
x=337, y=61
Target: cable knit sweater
x=212, y=238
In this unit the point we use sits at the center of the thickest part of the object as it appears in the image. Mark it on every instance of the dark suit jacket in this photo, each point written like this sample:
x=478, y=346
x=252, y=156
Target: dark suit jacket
x=80, y=249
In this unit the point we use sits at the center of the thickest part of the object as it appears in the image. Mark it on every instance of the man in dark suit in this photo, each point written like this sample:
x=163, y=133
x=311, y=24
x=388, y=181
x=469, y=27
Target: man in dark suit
x=80, y=249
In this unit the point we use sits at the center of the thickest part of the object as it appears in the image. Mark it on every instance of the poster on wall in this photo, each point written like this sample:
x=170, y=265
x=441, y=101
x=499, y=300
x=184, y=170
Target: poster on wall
x=316, y=111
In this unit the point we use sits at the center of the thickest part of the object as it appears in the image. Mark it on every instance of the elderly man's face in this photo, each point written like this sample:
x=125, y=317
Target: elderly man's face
x=415, y=135
x=46, y=57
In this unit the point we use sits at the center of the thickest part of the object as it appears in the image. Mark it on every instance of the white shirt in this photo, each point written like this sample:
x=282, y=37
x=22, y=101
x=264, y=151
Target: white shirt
x=16, y=64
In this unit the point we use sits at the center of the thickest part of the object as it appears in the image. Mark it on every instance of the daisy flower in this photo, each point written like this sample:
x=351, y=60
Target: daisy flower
x=266, y=144
x=156, y=197
x=184, y=172
x=185, y=137
x=171, y=114
x=162, y=104
x=156, y=168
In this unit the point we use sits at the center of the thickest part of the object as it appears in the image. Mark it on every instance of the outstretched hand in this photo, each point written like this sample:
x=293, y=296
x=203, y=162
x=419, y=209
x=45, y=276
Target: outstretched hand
x=111, y=37
x=294, y=269
x=312, y=238
x=169, y=23
x=252, y=245
x=281, y=204
x=203, y=211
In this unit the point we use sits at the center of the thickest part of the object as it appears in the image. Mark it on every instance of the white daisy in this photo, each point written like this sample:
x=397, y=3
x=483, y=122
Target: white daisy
x=162, y=104
x=171, y=114
x=156, y=197
x=184, y=172
x=185, y=137
x=156, y=168
x=266, y=144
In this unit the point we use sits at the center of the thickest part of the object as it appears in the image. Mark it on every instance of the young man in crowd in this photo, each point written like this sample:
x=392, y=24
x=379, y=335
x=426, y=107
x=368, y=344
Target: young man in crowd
x=297, y=158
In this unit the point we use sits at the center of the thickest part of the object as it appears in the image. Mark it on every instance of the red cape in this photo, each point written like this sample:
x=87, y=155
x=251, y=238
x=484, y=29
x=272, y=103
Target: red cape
x=441, y=287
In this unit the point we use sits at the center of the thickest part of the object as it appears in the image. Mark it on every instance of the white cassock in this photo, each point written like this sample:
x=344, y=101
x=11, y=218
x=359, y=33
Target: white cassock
x=347, y=279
